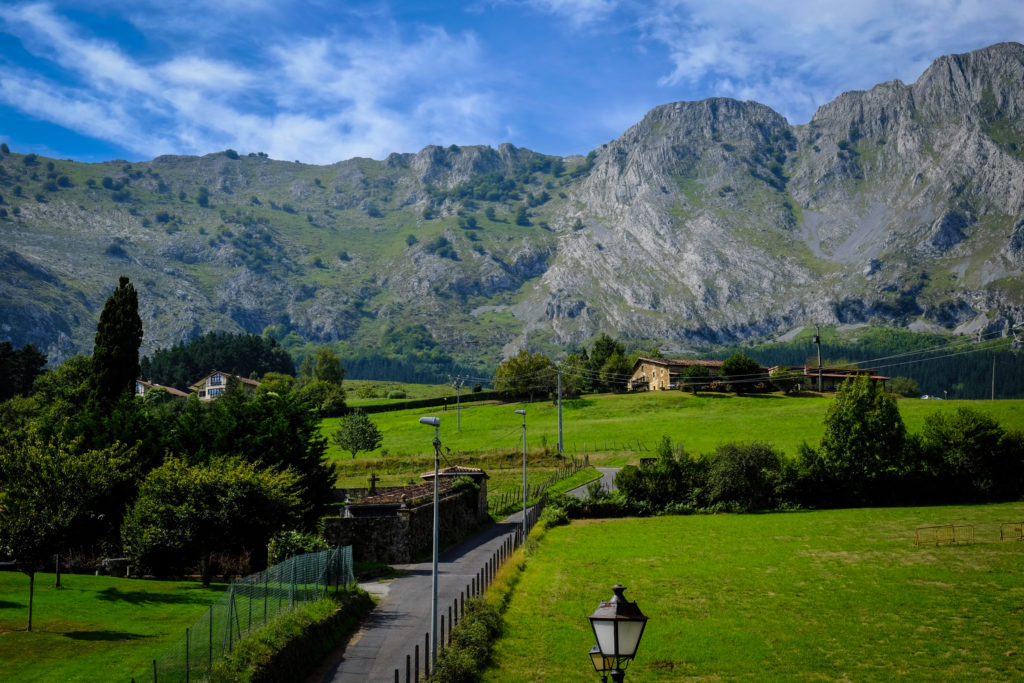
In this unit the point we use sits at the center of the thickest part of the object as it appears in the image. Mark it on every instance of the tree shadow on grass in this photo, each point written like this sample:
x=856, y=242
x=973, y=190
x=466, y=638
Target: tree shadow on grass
x=11, y=605
x=182, y=597
x=104, y=635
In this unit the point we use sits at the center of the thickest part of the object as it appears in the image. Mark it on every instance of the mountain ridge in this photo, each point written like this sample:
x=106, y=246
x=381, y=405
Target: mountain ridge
x=706, y=222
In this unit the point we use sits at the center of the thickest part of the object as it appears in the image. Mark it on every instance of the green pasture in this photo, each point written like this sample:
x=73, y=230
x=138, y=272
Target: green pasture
x=623, y=427
x=95, y=628
x=828, y=595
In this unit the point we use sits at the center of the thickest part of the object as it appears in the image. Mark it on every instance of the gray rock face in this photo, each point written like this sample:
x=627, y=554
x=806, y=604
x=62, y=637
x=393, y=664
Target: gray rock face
x=706, y=222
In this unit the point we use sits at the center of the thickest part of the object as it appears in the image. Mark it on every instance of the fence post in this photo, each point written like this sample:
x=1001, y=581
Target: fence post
x=416, y=673
x=440, y=640
x=408, y=664
x=209, y=663
x=154, y=671
x=426, y=655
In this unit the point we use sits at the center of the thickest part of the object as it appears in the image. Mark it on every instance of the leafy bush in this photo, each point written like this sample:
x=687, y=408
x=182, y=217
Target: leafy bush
x=745, y=475
x=285, y=544
x=396, y=393
x=291, y=647
x=465, y=659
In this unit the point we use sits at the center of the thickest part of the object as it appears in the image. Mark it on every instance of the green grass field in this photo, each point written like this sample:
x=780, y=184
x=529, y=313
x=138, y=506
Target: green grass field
x=829, y=595
x=95, y=628
x=622, y=426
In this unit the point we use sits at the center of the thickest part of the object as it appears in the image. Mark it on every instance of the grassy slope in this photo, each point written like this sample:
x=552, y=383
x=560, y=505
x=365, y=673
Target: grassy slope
x=617, y=422
x=95, y=628
x=832, y=594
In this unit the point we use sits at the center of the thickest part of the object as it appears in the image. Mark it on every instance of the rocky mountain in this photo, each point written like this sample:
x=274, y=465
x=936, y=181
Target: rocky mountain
x=706, y=222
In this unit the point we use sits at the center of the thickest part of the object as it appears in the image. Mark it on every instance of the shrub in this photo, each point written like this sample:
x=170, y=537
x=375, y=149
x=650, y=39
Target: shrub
x=396, y=393
x=291, y=647
x=744, y=475
x=285, y=544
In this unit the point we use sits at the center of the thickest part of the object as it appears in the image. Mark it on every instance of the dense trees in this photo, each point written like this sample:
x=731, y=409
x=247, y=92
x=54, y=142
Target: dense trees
x=19, y=369
x=46, y=488
x=188, y=515
x=526, y=374
x=741, y=372
x=246, y=355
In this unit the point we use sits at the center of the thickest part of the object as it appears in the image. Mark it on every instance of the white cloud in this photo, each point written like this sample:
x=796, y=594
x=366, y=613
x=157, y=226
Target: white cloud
x=319, y=99
x=795, y=55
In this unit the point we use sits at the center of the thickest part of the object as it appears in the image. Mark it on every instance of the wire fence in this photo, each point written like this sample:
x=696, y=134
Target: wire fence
x=477, y=585
x=247, y=605
x=511, y=500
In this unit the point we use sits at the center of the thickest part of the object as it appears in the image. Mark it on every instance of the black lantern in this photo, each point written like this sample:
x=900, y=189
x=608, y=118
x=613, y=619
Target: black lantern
x=618, y=626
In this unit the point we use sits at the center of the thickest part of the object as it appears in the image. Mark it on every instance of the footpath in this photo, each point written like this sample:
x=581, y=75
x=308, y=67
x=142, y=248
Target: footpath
x=397, y=625
x=402, y=616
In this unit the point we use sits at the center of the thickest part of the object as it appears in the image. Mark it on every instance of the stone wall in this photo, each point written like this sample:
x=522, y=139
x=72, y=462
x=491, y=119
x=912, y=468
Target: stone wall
x=408, y=535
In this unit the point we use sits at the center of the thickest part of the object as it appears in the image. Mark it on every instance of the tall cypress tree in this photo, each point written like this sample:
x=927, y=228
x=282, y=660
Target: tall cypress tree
x=115, y=357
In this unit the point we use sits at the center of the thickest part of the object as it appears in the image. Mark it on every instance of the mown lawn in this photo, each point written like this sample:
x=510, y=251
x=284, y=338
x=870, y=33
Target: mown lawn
x=825, y=595
x=94, y=628
x=631, y=425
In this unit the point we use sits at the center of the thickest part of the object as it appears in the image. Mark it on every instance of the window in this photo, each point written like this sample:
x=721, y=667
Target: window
x=216, y=380
x=214, y=393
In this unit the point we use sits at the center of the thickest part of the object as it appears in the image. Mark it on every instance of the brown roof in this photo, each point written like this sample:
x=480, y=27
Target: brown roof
x=679, y=362
x=411, y=493
x=170, y=390
x=453, y=471
x=244, y=380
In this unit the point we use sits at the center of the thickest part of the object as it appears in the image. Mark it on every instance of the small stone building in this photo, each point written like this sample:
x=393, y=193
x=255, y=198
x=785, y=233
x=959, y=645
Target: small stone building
x=665, y=373
x=396, y=527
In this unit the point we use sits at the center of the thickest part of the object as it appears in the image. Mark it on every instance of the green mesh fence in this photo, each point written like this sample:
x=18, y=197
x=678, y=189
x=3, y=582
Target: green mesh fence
x=247, y=605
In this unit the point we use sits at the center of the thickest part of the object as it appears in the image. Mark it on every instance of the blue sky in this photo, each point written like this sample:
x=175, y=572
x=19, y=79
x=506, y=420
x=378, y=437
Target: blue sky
x=325, y=80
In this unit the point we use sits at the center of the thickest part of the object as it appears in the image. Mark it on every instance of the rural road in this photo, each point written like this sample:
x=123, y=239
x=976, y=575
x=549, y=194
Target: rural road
x=402, y=615
x=396, y=626
x=607, y=482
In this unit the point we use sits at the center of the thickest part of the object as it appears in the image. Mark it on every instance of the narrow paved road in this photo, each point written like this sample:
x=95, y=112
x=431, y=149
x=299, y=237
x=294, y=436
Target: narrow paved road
x=402, y=614
x=607, y=482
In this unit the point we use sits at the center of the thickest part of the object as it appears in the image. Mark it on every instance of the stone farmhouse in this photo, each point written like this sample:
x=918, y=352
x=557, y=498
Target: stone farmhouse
x=650, y=374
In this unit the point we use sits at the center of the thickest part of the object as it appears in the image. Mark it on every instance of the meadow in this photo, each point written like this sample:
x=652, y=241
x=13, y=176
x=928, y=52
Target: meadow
x=94, y=627
x=622, y=427
x=836, y=594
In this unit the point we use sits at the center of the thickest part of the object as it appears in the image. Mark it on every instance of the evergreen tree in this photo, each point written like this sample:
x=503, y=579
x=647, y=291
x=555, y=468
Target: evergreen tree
x=115, y=355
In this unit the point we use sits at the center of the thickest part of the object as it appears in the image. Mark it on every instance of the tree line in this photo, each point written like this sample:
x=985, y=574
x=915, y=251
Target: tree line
x=176, y=485
x=866, y=457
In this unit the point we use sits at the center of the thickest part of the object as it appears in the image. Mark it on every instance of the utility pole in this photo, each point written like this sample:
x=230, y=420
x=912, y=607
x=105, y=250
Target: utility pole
x=817, y=340
x=993, y=376
x=561, y=450
x=457, y=383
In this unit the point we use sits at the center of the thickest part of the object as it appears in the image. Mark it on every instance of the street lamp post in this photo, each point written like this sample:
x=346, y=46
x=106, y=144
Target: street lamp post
x=618, y=626
x=523, y=413
x=434, y=422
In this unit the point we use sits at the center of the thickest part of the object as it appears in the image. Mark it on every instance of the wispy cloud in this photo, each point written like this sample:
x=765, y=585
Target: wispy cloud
x=320, y=99
x=795, y=55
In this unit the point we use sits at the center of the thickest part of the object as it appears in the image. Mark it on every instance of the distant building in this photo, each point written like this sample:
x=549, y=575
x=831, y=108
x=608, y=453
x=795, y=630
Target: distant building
x=831, y=378
x=216, y=383
x=143, y=387
x=650, y=374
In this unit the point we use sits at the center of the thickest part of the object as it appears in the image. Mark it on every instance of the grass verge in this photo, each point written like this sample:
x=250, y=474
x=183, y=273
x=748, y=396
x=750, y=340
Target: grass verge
x=95, y=627
x=294, y=645
x=835, y=595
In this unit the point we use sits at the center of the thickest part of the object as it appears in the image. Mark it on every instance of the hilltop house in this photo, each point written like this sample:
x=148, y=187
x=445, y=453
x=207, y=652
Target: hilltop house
x=143, y=387
x=216, y=383
x=664, y=373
